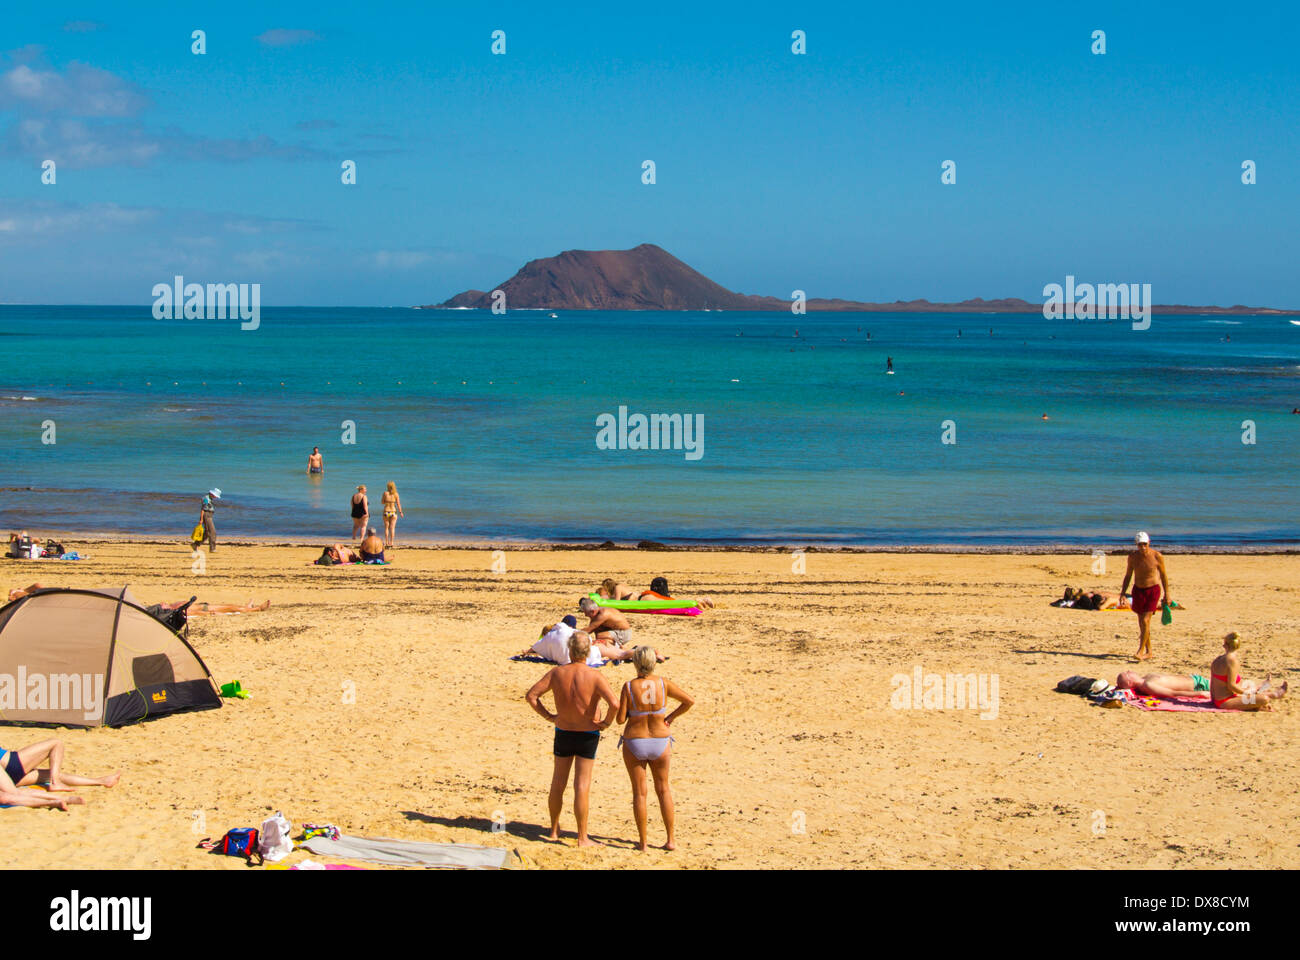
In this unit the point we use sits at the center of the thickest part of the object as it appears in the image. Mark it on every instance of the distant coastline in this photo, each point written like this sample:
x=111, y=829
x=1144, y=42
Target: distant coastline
x=647, y=277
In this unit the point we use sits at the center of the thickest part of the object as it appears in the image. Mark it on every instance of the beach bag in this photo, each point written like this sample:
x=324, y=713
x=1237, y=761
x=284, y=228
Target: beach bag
x=326, y=830
x=325, y=560
x=274, y=843
x=238, y=842
x=197, y=535
x=1077, y=684
x=1166, y=615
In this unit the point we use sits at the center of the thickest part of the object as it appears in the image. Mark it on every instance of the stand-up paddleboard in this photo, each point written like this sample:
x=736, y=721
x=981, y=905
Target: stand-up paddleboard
x=1296, y=322
x=890, y=372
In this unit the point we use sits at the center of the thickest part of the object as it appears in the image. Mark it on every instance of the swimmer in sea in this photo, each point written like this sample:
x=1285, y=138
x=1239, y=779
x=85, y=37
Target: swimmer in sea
x=315, y=462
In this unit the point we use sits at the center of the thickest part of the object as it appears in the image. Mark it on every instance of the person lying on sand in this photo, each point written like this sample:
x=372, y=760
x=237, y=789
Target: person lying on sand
x=21, y=768
x=1235, y=693
x=1165, y=684
x=19, y=592
x=340, y=553
x=612, y=590
x=553, y=645
x=202, y=608
x=659, y=591
x=578, y=690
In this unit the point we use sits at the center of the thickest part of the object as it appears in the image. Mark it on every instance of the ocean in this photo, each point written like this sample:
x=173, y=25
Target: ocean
x=488, y=425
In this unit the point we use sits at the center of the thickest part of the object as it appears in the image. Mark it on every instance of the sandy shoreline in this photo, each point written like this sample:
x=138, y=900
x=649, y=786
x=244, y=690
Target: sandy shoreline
x=78, y=539
x=793, y=729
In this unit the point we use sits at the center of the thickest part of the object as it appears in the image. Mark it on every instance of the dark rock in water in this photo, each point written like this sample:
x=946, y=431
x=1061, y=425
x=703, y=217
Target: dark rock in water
x=608, y=545
x=651, y=545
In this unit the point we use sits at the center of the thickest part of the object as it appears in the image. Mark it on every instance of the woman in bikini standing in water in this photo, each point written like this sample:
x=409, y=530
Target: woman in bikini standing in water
x=1234, y=693
x=392, y=510
x=642, y=705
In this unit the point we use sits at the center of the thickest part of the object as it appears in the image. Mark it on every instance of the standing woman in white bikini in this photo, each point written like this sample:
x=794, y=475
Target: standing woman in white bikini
x=643, y=706
x=392, y=510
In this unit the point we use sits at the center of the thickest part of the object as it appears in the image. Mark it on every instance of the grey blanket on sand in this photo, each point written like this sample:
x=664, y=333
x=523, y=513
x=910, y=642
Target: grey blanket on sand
x=412, y=853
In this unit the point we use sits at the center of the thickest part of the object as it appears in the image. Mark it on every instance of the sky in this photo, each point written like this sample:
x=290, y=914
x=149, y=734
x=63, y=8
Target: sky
x=773, y=171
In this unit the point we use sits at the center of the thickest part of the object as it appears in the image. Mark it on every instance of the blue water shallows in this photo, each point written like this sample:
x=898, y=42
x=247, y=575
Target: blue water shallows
x=488, y=425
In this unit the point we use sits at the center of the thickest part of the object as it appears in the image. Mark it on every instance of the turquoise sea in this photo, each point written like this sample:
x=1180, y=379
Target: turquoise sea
x=488, y=425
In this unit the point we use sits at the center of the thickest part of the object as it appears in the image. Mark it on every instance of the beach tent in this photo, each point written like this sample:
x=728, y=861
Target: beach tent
x=94, y=658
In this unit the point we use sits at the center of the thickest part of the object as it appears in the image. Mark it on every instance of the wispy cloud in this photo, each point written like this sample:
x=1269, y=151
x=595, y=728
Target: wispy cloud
x=315, y=125
x=287, y=38
x=84, y=26
x=80, y=91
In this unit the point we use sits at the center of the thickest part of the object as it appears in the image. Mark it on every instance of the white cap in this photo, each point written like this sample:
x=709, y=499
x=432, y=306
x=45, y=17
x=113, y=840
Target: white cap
x=1142, y=537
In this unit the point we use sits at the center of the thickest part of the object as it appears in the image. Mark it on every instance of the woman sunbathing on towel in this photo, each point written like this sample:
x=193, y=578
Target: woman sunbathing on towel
x=21, y=768
x=1235, y=693
x=342, y=554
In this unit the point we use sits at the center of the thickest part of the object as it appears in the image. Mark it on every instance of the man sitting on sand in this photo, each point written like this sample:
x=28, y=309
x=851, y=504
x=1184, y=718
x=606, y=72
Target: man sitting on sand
x=372, y=548
x=578, y=690
x=606, y=624
x=553, y=645
x=21, y=768
x=1146, y=568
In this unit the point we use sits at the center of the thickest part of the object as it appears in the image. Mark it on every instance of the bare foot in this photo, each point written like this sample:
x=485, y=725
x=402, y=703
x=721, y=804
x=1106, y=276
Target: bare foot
x=554, y=835
x=63, y=804
x=670, y=845
x=643, y=848
x=58, y=787
x=1281, y=691
x=588, y=842
x=263, y=606
x=111, y=779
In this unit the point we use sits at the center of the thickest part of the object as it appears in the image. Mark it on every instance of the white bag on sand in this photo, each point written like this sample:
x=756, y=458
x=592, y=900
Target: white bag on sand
x=273, y=841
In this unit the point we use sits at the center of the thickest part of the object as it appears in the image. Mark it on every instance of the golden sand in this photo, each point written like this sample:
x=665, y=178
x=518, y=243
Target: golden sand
x=383, y=702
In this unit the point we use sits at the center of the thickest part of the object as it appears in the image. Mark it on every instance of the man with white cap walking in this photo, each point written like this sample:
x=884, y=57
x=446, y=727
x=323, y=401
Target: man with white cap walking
x=205, y=518
x=1146, y=568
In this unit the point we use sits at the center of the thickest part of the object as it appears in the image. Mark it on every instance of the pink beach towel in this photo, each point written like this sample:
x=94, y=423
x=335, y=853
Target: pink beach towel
x=1145, y=701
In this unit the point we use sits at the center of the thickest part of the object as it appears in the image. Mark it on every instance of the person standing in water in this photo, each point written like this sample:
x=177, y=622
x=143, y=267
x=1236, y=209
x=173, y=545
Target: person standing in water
x=1146, y=569
x=315, y=462
x=889, y=364
x=360, y=511
x=392, y=510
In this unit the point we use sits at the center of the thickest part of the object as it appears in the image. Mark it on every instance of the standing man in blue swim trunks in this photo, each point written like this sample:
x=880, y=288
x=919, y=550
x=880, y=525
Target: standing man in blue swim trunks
x=315, y=462
x=578, y=690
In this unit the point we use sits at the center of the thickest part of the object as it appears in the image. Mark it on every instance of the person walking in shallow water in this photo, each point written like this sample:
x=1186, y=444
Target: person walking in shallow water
x=206, y=509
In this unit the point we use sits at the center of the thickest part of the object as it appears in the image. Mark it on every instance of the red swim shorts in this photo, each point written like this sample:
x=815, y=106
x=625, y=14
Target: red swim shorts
x=1146, y=599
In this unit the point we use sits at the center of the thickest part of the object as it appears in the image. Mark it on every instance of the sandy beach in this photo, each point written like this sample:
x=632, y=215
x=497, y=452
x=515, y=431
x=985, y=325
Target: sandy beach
x=383, y=702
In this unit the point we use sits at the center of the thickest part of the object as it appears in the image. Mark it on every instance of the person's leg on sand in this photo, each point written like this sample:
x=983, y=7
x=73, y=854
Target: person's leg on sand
x=555, y=801
x=59, y=781
x=636, y=773
x=582, y=798
x=659, y=769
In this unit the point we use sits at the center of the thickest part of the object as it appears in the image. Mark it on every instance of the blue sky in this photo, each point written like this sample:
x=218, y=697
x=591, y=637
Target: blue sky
x=774, y=171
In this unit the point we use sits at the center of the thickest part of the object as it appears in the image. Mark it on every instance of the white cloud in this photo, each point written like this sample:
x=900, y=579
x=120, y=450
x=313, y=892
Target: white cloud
x=287, y=38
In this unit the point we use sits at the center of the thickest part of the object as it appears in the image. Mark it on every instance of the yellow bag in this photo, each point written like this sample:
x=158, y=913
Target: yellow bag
x=197, y=535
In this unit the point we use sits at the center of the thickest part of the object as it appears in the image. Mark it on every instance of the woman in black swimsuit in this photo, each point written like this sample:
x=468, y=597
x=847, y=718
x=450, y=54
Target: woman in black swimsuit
x=21, y=768
x=360, y=511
